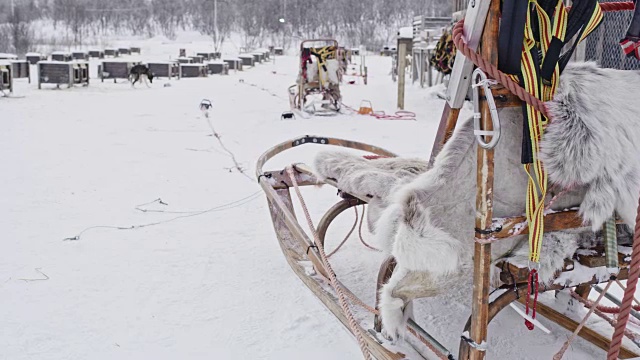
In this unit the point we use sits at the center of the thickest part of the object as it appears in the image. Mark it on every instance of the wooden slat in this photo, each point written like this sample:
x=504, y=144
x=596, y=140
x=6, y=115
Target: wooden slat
x=552, y=222
x=510, y=272
x=598, y=259
x=562, y=220
x=484, y=200
x=447, y=125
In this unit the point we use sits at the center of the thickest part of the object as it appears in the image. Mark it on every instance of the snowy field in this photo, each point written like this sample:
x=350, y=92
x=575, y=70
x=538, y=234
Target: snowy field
x=206, y=279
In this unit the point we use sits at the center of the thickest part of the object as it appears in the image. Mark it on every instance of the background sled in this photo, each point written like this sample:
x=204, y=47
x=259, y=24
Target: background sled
x=317, y=89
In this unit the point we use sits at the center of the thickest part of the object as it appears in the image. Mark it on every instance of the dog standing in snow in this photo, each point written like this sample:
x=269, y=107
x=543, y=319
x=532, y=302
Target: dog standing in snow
x=140, y=71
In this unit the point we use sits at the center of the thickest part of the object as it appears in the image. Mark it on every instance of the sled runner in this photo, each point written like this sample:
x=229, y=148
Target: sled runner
x=419, y=203
x=317, y=88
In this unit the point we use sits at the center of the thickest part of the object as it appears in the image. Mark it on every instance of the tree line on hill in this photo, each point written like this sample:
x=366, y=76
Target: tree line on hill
x=372, y=23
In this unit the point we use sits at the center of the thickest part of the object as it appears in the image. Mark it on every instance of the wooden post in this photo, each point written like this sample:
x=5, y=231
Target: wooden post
x=402, y=58
x=484, y=201
x=429, y=69
x=445, y=130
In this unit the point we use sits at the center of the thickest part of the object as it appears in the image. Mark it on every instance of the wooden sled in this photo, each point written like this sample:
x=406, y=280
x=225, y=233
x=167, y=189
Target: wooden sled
x=297, y=246
x=314, y=93
x=299, y=249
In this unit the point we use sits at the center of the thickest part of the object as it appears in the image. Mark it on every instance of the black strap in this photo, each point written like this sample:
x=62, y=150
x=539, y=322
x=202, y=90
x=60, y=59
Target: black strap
x=527, y=147
x=511, y=35
x=579, y=16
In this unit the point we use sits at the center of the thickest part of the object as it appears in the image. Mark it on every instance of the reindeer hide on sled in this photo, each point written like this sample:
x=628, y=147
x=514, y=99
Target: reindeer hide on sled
x=424, y=218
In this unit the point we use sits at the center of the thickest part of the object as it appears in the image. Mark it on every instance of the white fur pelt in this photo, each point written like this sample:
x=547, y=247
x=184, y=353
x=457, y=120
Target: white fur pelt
x=592, y=146
x=357, y=175
x=376, y=178
x=594, y=140
x=428, y=225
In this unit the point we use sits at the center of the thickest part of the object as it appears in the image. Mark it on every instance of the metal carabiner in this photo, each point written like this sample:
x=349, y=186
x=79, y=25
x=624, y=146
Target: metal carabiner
x=477, y=116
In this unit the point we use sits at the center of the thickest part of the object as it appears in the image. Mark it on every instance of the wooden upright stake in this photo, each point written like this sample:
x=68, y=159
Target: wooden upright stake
x=448, y=123
x=402, y=58
x=484, y=201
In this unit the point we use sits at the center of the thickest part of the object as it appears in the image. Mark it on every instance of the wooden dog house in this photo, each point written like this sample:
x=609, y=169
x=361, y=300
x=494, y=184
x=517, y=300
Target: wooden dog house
x=111, y=52
x=167, y=69
x=193, y=70
x=61, y=56
x=116, y=69
x=219, y=67
x=6, y=78
x=20, y=69
x=63, y=72
x=34, y=58
x=96, y=54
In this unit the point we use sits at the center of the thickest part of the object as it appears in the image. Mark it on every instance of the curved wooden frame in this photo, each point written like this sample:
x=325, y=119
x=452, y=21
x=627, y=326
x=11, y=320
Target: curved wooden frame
x=298, y=248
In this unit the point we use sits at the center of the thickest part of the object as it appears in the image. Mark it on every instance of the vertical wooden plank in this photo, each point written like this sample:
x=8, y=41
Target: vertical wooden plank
x=484, y=200
x=402, y=57
x=429, y=69
x=448, y=123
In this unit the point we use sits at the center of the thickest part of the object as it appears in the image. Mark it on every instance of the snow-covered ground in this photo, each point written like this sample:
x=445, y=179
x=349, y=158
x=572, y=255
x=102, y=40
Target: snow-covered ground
x=191, y=285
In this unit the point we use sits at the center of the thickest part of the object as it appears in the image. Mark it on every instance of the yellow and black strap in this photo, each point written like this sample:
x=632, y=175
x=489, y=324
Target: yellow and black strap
x=534, y=57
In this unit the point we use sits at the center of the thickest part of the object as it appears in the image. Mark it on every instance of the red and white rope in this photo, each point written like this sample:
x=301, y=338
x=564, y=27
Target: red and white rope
x=564, y=348
x=627, y=299
x=345, y=293
x=355, y=328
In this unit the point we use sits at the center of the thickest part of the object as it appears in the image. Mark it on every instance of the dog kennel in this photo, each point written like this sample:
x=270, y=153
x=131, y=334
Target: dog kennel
x=111, y=52
x=6, y=78
x=193, y=70
x=96, y=54
x=168, y=69
x=7, y=56
x=206, y=56
x=218, y=67
x=34, y=58
x=234, y=63
x=258, y=58
x=124, y=51
x=185, y=60
x=135, y=50
x=116, y=69
x=197, y=59
x=20, y=69
x=247, y=60
x=69, y=73
x=61, y=56
x=80, y=55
